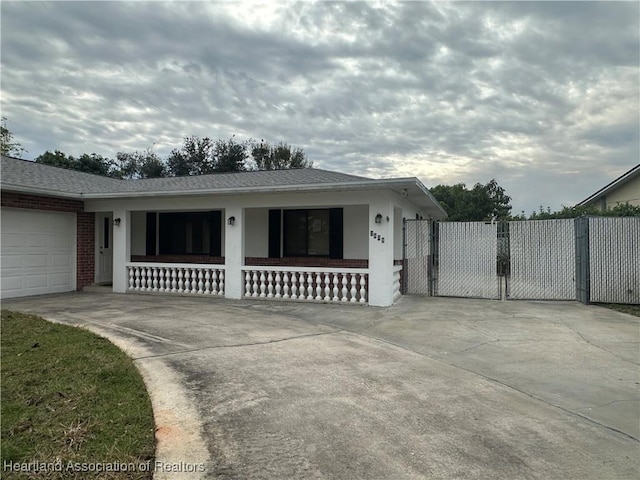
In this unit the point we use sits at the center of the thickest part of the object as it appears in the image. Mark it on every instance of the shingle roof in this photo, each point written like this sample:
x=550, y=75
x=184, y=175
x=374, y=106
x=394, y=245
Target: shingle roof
x=24, y=173
x=27, y=174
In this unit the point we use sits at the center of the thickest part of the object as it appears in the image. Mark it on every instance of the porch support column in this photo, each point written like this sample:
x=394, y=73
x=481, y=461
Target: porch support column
x=121, y=249
x=234, y=252
x=381, y=254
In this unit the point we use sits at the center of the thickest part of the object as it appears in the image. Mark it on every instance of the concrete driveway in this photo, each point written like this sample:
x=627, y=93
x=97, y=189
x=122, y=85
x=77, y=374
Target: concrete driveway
x=430, y=388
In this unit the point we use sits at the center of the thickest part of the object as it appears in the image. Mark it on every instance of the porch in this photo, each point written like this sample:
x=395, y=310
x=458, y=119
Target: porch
x=298, y=250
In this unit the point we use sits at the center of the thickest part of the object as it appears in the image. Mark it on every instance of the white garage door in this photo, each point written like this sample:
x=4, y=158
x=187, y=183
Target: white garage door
x=38, y=252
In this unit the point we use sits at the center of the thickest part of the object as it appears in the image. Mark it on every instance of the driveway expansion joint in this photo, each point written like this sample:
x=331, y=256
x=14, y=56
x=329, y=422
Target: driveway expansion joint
x=236, y=345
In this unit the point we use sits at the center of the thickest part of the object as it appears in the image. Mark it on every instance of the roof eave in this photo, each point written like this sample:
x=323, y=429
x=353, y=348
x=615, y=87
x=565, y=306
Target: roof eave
x=618, y=182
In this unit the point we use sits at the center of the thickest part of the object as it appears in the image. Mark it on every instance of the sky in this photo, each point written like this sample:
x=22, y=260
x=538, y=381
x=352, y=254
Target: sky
x=542, y=96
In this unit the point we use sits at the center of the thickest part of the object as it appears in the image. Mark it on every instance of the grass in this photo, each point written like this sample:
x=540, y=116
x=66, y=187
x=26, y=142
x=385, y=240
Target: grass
x=70, y=401
x=620, y=307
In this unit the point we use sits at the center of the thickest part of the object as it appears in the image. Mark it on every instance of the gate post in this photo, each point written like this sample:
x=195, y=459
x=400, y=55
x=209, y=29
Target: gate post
x=405, y=277
x=583, y=281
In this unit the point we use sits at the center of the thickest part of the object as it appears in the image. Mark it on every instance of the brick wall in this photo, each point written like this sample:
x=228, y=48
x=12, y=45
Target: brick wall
x=85, y=227
x=37, y=202
x=86, y=262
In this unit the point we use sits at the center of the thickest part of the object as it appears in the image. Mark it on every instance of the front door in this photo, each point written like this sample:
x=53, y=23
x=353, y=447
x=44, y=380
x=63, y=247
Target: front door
x=104, y=244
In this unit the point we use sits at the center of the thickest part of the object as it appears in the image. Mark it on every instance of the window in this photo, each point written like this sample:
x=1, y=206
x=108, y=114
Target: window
x=197, y=233
x=306, y=233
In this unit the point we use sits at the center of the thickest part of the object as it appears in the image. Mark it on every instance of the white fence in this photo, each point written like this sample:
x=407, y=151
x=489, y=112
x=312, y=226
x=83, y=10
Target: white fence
x=467, y=262
x=307, y=284
x=198, y=279
x=614, y=259
x=417, y=256
x=543, y=260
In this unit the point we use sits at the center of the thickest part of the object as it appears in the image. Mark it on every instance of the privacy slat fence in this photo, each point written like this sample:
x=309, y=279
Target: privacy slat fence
x=417, y=254
x=590, y=259
x=614, y=251
x=467, y=260
x=542, y=260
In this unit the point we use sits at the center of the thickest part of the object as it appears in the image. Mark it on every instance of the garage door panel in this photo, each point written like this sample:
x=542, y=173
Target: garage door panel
x=11, y=261
x=61, y=260
x=37, y=260
x=12, y=240
x=11, y=283
x=37, y=240
x=38, y=252
x=60, y=279
x=36, y=280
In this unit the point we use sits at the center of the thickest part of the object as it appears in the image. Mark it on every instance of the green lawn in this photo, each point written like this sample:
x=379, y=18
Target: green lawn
x=73, y=401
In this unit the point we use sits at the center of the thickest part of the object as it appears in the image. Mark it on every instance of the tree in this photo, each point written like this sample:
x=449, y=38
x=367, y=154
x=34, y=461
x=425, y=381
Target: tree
x=88, y=163
x=145, y=164
x=620, y=210
x=57, y=159
x=280, y=156
x=483, y=202
x=195, y=157
x=230, y=156
x=7, y=146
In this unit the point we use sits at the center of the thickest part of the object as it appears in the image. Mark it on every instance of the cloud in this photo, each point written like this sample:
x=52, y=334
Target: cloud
x=542, y=96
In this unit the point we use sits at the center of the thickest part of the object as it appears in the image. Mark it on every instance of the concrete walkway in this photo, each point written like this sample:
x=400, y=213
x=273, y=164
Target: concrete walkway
x=430, y=388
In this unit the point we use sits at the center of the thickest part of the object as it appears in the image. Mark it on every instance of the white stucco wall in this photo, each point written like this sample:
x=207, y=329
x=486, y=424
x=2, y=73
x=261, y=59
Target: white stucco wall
x=356, y=232
x=629, y=192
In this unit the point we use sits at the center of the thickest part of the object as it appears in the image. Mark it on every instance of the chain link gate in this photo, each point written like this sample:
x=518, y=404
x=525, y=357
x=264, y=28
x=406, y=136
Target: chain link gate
x=542, y=260
x=418, y=268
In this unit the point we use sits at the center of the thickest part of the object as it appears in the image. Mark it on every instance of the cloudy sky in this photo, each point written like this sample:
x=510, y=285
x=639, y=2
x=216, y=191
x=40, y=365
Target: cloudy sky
x=544, y=97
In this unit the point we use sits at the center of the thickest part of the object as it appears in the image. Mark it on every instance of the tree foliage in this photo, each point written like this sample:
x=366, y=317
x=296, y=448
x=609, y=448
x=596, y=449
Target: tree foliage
x=88, y=163
x=481, y=203
x=619, y=210
x=196, y=156
x=277, y=157
x=7, y=145
x=146, y=164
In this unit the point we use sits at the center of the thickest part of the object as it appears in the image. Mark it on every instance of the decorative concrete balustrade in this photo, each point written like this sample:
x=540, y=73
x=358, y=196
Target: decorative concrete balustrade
x=307, y=284
x=397, y=275
x=200, y=279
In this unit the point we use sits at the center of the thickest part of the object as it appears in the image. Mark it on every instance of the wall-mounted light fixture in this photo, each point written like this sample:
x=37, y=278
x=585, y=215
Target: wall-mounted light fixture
x=379, y=218
x=231, y=221
x=116, y=221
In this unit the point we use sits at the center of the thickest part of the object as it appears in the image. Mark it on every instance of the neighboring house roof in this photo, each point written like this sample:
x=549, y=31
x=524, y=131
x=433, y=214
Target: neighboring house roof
x=617, y=183
x=30, y=177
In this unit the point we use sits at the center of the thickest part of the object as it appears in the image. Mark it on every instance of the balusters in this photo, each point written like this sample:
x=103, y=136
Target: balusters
x=327, y=290
x=285, y=287
x=363, y=291
x=207, y=282
x=174, y=282
x=131, y=279
x=353, y=287
x=278, y=285
x=137, y=274
x=247, y=283
x=294, y=286
x=155, y=279
x=344, y=288
x=180, y=281
x=309, y=286
x=318, y=287
x=221, y=283
x=263, y=285
x=270, y=285
x=161, y=279
x=335, y=288
x=194, y=281
x=214, y=282
x=256, y=285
